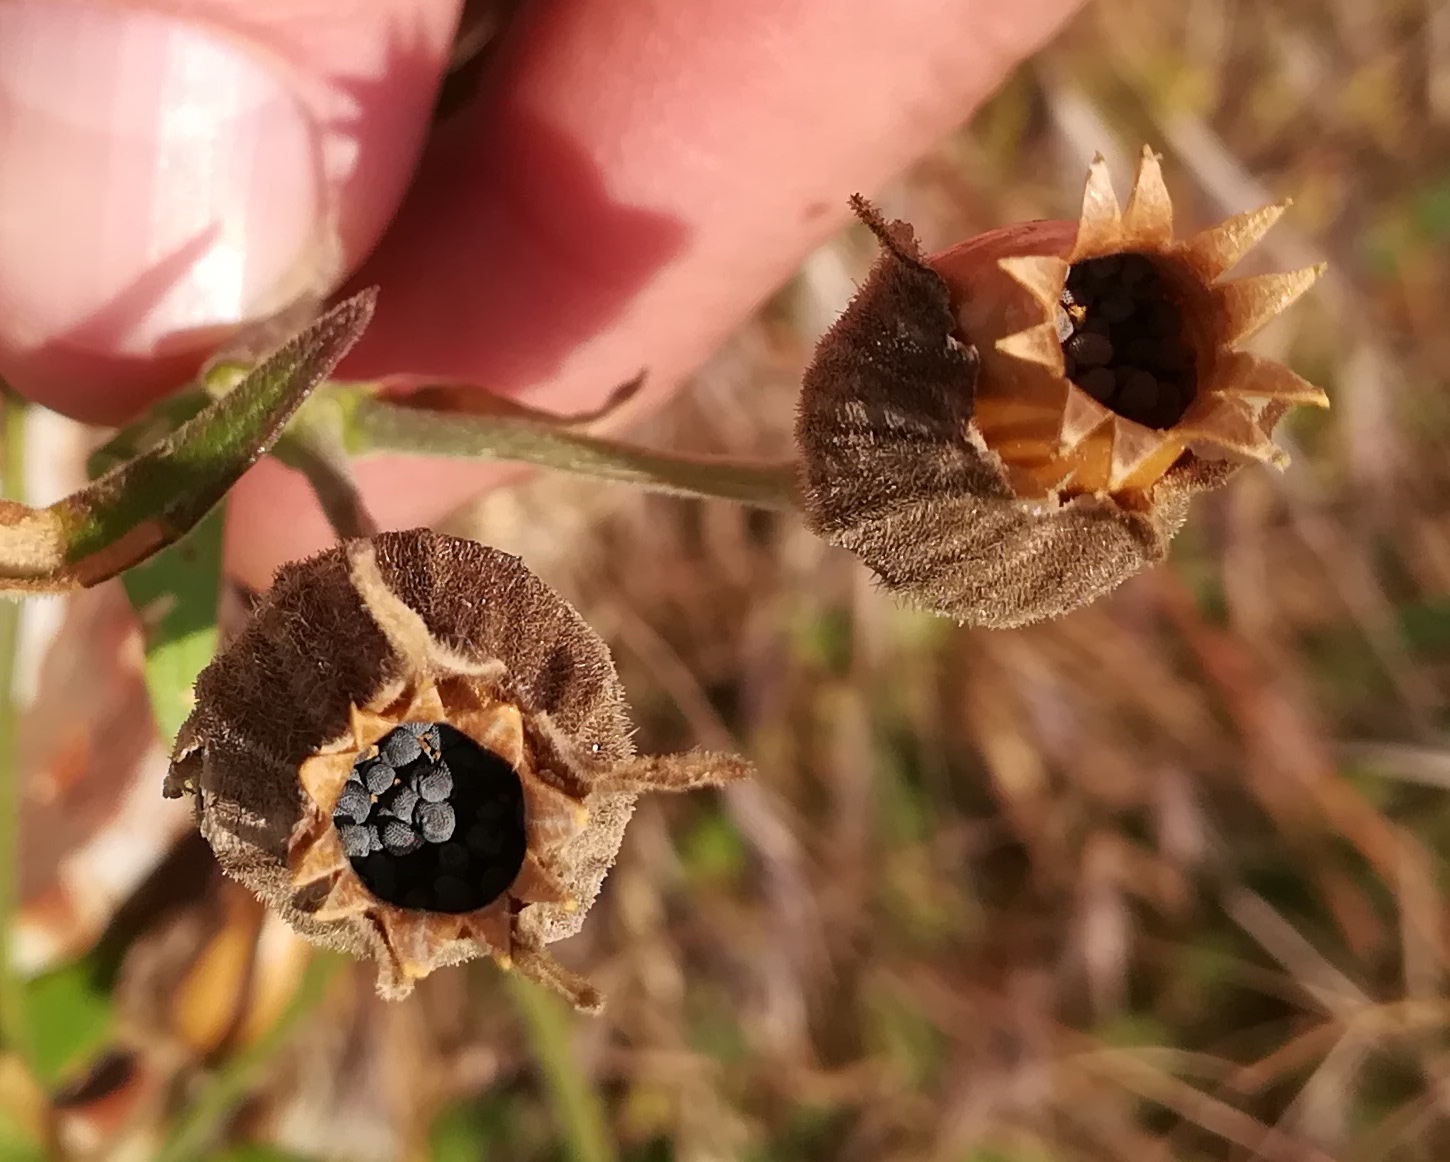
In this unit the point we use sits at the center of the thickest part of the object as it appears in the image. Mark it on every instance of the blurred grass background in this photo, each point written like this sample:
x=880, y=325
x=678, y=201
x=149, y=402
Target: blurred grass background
x=1161, y=880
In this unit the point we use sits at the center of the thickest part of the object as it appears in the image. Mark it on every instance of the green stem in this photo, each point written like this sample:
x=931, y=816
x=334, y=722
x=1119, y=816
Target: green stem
x=312, y=444
x=14, y=1028
x=372, y=425
x=576, y=1106
x=200, y=1125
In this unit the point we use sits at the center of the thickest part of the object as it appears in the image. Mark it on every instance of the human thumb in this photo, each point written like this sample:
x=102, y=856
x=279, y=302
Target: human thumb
x=169, y=172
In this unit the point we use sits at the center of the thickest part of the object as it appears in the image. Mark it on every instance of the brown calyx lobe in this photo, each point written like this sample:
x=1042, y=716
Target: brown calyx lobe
x=1123, y=339
x=888, y=398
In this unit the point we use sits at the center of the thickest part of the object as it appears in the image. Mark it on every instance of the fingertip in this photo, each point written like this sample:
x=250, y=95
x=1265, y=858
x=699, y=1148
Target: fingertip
x=168, y=178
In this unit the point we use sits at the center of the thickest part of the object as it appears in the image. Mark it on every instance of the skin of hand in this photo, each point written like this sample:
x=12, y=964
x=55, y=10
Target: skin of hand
x=631, y=180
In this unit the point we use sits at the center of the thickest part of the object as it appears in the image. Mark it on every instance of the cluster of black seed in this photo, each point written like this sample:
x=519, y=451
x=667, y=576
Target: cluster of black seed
x=1122, y=339
x=432, y=821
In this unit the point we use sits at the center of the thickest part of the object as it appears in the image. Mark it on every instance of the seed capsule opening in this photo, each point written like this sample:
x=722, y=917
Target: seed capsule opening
x=1124, y=341
x=431, y=821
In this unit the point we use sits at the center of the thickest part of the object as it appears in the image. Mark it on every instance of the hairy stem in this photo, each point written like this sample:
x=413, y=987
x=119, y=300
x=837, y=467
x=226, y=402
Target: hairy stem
x=373, y=425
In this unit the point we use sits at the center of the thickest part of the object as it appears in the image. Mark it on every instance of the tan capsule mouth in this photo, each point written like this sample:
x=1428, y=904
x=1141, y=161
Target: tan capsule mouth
x=1070, y=414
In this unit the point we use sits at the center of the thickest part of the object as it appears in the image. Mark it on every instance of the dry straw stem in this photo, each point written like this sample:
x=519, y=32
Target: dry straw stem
x=420, y=628
x=944, y=442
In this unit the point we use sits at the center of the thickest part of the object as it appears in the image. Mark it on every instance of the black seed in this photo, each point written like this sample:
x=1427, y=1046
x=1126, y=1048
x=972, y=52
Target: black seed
x=1136, y=268
x=453, y=858
x=1137, y=393
x=399, y=838
x=1089, y=349
x=1174, y=355
x=1116, y=309
x=379, y=777
x=484, y=841
x=380, y=875
x=402, y=803
x=353, y=803
x=436, y=821
x=1163, y=317
x=418, y=898
x=436, y=785
x=400, y=748
x=1100, y=383
x=355, y=841
x=452, y=894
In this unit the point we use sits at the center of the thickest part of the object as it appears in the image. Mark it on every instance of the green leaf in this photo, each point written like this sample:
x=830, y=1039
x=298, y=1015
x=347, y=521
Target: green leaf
x=72, y=1019
x=175, y=595
x=147, y=503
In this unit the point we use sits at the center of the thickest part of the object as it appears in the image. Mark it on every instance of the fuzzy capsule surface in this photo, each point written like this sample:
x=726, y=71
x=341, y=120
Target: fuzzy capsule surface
x=946, y=437
x=370, y=659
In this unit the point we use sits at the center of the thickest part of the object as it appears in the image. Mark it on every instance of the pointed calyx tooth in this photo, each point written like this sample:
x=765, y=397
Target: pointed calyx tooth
x=426, y=705
x=1230, y=424
x=347, y=898
x=536, y=964
x=551, y=816
x=1140, y=455
x=323, y=775
x=535, y=884
x=1148, y=220
x=492, y=927
x=1250, y=376
x=1038, y=344
x=367, y=728
x=1247, y=304
x=1081, y=416
x=1040, y=275
x=315, y=856
x=417, y=939
x=1213, y=252
x=1100, y=227
x=675, y=772
x=503, y=733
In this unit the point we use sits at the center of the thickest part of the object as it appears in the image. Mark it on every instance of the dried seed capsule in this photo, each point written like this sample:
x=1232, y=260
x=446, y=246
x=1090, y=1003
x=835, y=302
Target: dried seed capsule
x=954, y=438
x=470, y=654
